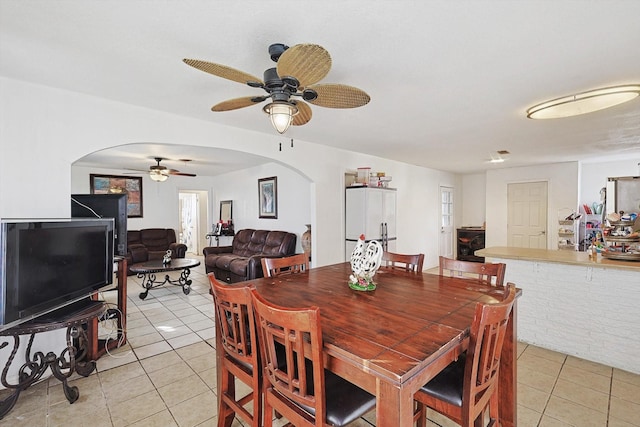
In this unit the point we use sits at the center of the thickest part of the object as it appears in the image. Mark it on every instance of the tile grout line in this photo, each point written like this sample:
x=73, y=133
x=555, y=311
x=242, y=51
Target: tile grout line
x=564, y=361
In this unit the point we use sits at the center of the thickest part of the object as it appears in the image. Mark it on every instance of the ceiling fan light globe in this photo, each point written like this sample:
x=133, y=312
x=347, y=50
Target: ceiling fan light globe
x=158, y=176
x=281, y=115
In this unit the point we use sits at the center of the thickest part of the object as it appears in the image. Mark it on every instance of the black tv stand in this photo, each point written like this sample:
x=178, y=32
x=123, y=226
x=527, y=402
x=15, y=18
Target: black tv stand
x=71, y=318
x=66, y=312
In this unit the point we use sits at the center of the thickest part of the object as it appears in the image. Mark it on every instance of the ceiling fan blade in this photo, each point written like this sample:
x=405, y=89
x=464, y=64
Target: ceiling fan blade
x=309, y=63
x=234, y=104
x=304, y=114
x=223, y=71
x=175, y=172
x=339, y=96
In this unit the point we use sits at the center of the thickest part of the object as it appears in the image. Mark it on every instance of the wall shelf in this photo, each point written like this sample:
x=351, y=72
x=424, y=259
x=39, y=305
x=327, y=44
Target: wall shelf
x=568, y=234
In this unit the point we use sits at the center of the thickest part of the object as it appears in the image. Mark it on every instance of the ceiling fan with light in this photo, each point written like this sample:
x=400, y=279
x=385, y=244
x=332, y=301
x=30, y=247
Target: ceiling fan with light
x=160, y=173
x=288, y=85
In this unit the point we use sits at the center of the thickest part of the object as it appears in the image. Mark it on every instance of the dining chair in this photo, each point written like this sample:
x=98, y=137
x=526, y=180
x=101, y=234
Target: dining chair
x=297, y=263
x=483, y=271
x=464, y=389
x=234, y=314
x=402, y=261
x=296, y=385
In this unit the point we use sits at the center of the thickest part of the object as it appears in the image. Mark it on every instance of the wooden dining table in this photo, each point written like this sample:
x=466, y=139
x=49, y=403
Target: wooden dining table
x=394, y=339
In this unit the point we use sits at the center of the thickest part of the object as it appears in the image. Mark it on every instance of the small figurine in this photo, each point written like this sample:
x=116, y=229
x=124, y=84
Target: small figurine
x=167, y=258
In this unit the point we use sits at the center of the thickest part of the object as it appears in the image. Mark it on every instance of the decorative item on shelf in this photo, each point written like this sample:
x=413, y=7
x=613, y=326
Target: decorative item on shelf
x=167, y=257
x=305, y=240
x=363, y=175
x=568, y=221
x=365, y=262
x=379, y=179
x=597, y=208
x=621, y=239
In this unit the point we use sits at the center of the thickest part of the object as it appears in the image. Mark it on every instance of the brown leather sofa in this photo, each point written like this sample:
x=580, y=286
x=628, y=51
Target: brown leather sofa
x=242, y=260
x=152, y=243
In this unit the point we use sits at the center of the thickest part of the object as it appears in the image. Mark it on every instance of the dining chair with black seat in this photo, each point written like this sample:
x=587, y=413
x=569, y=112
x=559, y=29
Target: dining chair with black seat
x=403, y=261
x=238, y=337
x=296, y=385
x=487, y=272
x=467, y=386
x=272, y=267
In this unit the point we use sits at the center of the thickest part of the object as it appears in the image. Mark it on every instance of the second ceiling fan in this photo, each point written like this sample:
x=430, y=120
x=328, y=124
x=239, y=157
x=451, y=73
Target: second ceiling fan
x=288, y=85
x=161, y=173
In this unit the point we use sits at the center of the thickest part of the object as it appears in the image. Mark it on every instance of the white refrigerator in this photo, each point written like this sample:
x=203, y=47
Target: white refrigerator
x=370, y=211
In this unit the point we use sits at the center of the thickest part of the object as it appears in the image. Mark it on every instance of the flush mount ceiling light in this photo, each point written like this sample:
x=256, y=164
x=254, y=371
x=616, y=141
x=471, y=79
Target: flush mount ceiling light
x=500, y=157
x=584, y=102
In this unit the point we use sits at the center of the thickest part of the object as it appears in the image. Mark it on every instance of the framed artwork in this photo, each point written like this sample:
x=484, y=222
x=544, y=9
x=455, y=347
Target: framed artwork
x=268, y=197
x=114, y=184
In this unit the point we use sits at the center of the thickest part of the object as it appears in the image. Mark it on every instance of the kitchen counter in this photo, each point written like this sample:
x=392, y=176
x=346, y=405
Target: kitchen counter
x=556, y=256
x=583, y=307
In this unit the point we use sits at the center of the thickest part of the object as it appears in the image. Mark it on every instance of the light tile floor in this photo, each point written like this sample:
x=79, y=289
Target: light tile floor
x=165, y=377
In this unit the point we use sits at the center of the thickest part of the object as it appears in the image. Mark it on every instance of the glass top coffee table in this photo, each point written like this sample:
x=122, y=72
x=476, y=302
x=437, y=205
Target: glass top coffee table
x=147, y=272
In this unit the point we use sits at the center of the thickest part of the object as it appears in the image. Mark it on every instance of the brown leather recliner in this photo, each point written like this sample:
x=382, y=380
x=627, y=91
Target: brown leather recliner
x=242, y=260
x=152, y=243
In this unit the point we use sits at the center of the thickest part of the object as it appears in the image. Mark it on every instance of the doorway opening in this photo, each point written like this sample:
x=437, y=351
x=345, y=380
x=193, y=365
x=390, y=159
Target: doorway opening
x=193, y=219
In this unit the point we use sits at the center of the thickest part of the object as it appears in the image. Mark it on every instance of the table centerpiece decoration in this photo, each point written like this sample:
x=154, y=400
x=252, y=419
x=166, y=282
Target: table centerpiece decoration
x=365, y=261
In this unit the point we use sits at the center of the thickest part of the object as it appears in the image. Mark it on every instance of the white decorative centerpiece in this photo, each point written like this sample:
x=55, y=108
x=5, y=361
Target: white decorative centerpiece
x=365, y=261
x=167, y=257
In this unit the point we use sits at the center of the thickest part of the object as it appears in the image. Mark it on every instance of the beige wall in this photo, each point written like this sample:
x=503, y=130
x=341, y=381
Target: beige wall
x=562, y=179
x=51, y=129
x=473, y=200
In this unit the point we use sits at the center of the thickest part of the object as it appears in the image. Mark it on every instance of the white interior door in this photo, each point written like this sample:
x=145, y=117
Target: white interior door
x=446, y=222
x=527, y=215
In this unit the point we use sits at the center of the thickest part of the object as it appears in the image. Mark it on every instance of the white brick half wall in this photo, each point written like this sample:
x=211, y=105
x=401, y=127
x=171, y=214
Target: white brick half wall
x=589, y=312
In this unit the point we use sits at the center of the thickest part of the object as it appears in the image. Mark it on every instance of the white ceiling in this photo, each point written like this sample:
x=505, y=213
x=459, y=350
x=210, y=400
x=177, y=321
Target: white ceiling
x=449, y=80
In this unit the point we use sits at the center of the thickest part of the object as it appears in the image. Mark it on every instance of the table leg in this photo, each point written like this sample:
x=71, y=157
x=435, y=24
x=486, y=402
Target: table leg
x=35, y=366
x=184, y=281
x=8, y=403
x=508, y=377
x=394, y=405
x=149, y=281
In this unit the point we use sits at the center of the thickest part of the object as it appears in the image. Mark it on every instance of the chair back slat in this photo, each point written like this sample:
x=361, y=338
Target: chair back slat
x=299, y=374
x=403, y=261
x=468, y=386
x=492, y=273
x=272, y=267
x=234, y=314
x=239, y=344
x=488, y=332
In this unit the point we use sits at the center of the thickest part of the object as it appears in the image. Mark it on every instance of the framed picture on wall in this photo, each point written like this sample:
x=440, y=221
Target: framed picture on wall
x=268, y=197
x=114, y=184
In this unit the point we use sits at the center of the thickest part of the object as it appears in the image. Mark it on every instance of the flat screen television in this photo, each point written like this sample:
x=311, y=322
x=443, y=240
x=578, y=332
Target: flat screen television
x=104, y=206
x=48, y=264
